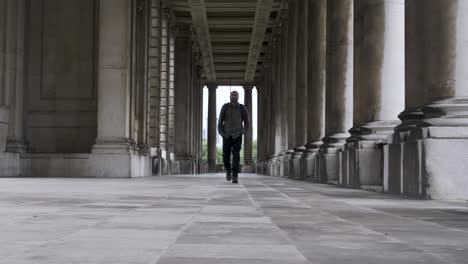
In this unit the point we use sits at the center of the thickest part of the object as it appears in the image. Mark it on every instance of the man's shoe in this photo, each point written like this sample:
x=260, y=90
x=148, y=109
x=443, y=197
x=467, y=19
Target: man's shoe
x=234, y=178
x=228, y=176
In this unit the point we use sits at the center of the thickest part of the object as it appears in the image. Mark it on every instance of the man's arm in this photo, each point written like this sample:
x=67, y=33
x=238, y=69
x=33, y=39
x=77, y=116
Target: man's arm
x=246, y=119
x=222, y=116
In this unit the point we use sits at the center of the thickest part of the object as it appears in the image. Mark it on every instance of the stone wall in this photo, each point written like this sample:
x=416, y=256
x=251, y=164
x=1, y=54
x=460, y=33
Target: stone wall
x=61, y=90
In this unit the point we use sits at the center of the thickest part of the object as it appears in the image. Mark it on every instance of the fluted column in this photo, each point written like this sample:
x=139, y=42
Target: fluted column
x=274, y=89
x=317, y=63
x=267, y=113
x=277, y=94
x=292, y=36
x=284, y=83
x=182, y=112
x=260, y=127
x=432, y=147
x=212, y=131
x=302, y=8
x=292, y=46
x=379, y=83
x=339, y=91
x=301, y=89
x=249, y=133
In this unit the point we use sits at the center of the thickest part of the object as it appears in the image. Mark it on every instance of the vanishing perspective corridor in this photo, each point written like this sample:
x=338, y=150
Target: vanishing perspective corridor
x=202, y=219
x=361, y=150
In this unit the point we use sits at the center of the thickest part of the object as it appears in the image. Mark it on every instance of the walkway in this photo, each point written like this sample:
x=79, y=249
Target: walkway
x=205, y=220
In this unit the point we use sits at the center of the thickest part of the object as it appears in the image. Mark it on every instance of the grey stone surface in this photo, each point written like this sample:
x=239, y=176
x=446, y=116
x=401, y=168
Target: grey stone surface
x=203, y=219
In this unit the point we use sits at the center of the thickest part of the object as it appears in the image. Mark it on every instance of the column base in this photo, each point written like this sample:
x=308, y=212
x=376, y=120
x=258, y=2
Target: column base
x=212, y=167
x=182, y=164
x=298, y=163
x=287, y=163
x=248, y=167
x=363, y=157
x=110, y=157
x=362, y=164
x=331, y=156
x=115, y=146
x=85, y=165
x=429, y=158
x=433, y=166
x=271, y=166
x=10, y=164
x=280, y=164
x=17, y=145
x=311, y=161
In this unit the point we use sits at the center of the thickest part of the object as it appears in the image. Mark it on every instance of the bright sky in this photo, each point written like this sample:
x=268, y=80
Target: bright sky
x=222, y=97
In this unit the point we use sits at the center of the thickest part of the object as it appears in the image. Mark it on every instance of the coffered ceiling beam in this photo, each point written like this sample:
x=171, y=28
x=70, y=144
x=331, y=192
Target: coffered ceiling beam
x=202, y=31
x=262, y=17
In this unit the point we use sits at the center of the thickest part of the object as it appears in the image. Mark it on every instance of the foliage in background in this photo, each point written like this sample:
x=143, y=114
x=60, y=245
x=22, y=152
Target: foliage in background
x=219, y=152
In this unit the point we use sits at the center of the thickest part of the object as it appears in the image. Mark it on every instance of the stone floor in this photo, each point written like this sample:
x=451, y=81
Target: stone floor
x=205, y=220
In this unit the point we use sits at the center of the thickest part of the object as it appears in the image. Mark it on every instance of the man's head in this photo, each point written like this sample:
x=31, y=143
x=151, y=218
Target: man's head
x=234, y=97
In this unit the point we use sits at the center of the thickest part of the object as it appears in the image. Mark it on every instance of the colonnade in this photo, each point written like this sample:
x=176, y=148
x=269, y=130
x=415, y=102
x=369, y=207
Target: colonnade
x=373, y=96
x=124, y=100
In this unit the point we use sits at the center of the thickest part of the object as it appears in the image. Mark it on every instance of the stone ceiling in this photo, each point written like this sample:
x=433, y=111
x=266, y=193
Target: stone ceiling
x=233, y=35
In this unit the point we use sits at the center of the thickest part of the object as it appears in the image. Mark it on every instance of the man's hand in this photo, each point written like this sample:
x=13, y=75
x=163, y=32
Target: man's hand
x=222, y=135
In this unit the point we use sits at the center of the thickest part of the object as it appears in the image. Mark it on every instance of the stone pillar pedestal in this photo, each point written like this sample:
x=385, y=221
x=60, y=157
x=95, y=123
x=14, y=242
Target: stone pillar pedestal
x=280, y=164
x=287, y=163
x=297, y=162
x=332, y=157
x=311, y=161
x=364, y=155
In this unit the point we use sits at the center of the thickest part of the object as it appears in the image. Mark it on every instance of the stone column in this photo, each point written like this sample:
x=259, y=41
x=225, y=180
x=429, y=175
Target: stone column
x=260, y=129
x=339, y=91
x=15, y=75
x=171, y=102
x=302, y=8
x=212, y=127
x=248, y=166
x=292, y=45
x=182, y=112
x=317, y=63
x=164, y=161
x=114, y=77
x=267, y=114
x=273, y=112
x=114, y=151
x=280, y=117
x=154, y=72
x=284, y=167
x=433, y=151
x=379, y=81
x=199, y=92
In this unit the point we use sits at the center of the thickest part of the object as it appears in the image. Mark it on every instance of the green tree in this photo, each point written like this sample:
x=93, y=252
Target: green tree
x=219, y=152
x=205, y=149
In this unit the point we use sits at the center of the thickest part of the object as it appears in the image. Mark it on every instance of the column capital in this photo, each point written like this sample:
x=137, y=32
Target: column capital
x=249, y=86
x=212, y=86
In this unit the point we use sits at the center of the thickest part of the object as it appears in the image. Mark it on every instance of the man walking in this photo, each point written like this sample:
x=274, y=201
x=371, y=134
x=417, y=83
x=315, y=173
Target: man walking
x=230, y=127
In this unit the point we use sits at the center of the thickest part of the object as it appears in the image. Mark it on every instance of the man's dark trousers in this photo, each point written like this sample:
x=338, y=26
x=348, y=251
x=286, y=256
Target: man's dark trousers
x=232, y=145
